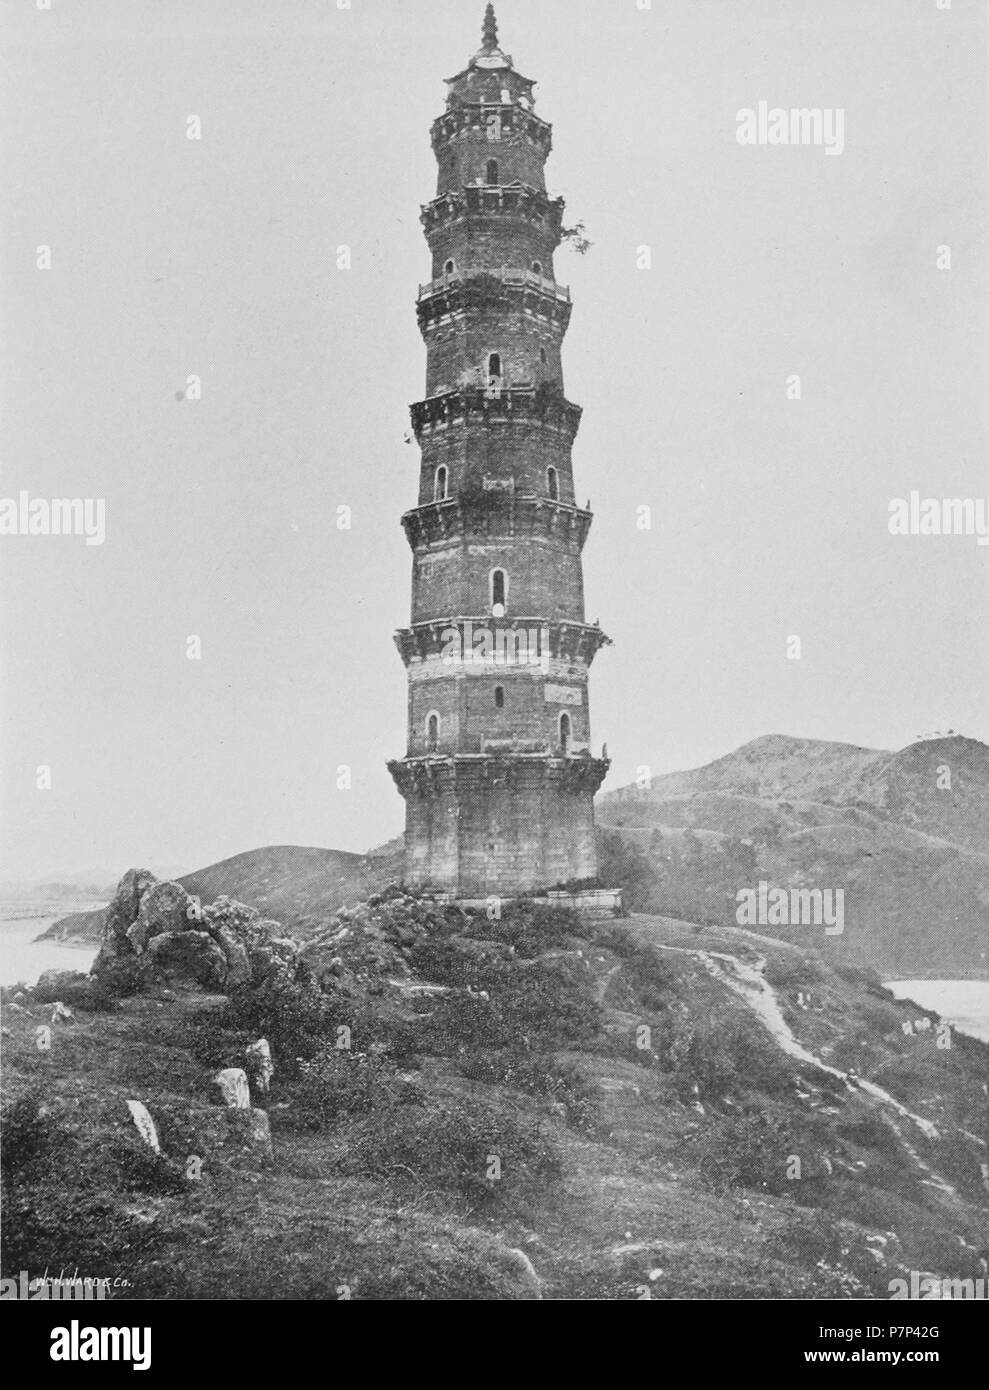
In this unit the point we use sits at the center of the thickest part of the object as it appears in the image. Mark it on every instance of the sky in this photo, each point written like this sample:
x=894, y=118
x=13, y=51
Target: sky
x=217, y=258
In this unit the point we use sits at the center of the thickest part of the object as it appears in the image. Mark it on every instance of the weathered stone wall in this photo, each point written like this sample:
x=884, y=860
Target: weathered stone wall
x=483, y=831
x=493, y=243
x=520, y=340
x=464, y=159
x=468, y=712
x=545, y=579
x=503, y=451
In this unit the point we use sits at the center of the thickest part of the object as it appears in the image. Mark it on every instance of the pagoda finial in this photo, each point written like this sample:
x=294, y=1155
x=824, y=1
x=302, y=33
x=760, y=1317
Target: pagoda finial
x=490, y=31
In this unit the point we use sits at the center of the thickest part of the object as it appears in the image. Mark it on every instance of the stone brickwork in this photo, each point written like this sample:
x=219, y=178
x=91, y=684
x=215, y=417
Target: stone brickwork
x=498, y=775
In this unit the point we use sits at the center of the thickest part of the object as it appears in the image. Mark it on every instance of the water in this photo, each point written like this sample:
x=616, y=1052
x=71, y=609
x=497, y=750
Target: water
x=963, y=1003
x=22, y=959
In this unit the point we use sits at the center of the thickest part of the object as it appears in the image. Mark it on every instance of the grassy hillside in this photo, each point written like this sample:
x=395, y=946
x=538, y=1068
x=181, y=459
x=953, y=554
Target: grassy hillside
x=528, y=1108
x=905, y=835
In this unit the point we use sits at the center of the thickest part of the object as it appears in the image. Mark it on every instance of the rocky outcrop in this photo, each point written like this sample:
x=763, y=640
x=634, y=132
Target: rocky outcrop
x=369, y=942
x=188, y=957
x=156, y=934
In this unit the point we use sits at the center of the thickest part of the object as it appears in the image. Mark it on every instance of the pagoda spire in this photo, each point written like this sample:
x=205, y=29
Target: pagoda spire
x=490, y=31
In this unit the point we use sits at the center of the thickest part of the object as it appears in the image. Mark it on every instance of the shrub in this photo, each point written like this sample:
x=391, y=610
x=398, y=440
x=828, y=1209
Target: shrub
x=532, y=928
x=336, y=1084
x=539, y=1074
x=653, y=980
x=865, y=976
x=133, y=1166
x=48, y=1224
x=815, y=1238
x=880, y=1017
x=62, y=1202
x=441, y=961
x=618, y=940
x=547, y=1002
x=726, y=1056
x=621, y=862
x=483, y=1157
x=795, y=972
x=122, y=977
x=294, y=1015
x=28, y=1134
x=212, y=1041
x=746, y=1151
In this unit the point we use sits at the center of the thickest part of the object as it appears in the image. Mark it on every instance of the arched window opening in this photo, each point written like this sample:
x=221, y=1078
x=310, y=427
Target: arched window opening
x=499, y=697
x=449, y=267
x=564, y=732
x=537, y=267
x=494, y=364
x=432, y=732
x=553, y=484
x=492, y=171
x=440, y=483
x=499, y=591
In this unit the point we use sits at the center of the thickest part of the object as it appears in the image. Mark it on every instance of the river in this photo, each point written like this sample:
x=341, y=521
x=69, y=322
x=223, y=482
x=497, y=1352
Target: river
x=22, y=959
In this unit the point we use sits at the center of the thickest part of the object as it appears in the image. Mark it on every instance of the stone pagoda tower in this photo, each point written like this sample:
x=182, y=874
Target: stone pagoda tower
x=498, y=777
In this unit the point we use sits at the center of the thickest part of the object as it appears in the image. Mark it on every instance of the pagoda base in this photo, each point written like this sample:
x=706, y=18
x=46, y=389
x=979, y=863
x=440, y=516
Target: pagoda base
x=498, y=825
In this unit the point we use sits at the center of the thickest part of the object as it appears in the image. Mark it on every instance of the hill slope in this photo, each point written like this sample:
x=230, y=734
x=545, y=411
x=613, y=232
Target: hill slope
x=297, y=885
x=645, y=1088
x=905, y=835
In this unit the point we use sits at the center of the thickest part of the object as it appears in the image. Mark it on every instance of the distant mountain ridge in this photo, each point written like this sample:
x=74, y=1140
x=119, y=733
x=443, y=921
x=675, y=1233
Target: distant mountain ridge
x=905, y=834
x=901, y=785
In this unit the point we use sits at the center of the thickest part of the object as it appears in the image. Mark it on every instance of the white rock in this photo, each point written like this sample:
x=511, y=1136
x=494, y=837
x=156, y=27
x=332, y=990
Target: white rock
x=232, y=1082
x=145, y=1124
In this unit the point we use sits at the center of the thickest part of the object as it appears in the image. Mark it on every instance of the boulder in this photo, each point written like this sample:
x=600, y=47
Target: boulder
x=190, y=957
x=271, y=957
x=235, y=953
x=127, y=899
x=144, y=1123
x=167, y=907
x=243, y=1136
x=61, y=985
x=254, y=1128
x=137, y=936
x=232, y=1083
x=120, y=916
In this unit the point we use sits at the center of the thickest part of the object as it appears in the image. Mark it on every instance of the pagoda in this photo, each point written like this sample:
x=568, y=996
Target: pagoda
x=498, y=776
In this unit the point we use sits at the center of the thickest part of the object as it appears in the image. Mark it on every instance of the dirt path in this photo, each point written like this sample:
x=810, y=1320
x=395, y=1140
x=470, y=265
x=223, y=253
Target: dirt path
x=749, y=983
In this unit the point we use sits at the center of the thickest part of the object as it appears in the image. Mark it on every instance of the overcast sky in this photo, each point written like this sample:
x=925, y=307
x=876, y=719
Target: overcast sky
x=217, y=258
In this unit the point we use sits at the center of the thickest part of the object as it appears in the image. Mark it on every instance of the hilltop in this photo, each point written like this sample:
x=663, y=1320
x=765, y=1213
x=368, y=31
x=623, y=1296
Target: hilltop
x=529, y=1107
